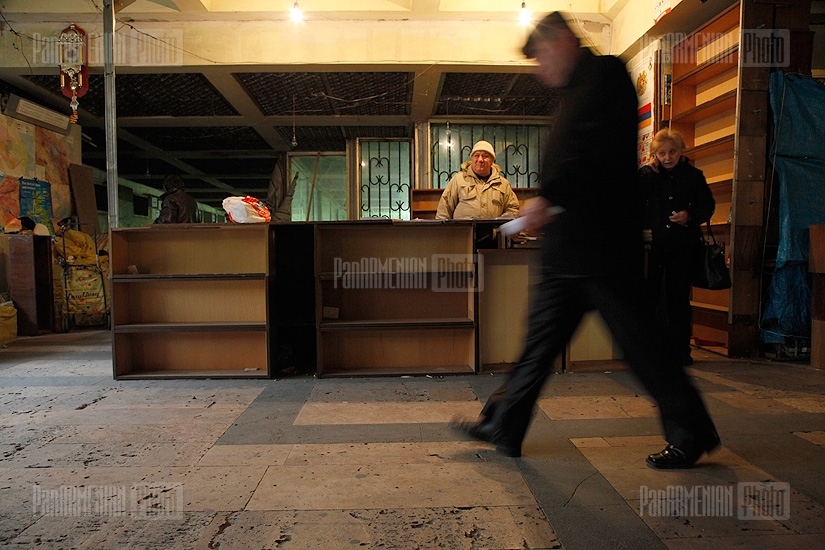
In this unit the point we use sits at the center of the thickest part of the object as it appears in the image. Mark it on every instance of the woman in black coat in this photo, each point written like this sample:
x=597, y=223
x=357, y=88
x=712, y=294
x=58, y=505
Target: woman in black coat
x=677, y=202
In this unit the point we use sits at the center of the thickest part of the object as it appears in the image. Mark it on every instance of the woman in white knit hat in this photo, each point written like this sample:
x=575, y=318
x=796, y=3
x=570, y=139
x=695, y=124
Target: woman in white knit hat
x=478, y=190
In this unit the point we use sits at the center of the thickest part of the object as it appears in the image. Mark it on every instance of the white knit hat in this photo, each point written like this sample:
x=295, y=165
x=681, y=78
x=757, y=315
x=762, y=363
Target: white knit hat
x=485, y=146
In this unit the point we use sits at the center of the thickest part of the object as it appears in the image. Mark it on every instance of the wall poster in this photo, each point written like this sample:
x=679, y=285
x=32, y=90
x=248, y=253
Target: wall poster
x=36, y=201
x=644, y=77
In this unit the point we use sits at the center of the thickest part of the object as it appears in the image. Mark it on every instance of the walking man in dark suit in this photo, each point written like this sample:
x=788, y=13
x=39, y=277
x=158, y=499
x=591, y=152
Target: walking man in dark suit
x=592, y=254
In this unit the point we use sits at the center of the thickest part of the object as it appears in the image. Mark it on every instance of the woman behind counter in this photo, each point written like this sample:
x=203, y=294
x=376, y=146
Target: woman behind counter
x=677, y=202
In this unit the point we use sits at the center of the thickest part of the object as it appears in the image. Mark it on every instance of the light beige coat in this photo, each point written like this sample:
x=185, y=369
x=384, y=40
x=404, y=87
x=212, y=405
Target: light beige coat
x=466, y=196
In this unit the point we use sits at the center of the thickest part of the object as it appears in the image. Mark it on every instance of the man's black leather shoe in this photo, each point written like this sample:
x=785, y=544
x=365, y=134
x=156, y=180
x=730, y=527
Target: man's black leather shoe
x=484, y=431
x=672, y=458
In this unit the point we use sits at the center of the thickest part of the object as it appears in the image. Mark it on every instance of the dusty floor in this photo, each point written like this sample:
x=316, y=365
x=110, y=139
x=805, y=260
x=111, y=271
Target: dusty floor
x=301, y=463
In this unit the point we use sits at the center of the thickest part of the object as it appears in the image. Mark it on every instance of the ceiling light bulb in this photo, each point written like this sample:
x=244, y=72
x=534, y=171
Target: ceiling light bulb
x=524, y=16
x=296, y=14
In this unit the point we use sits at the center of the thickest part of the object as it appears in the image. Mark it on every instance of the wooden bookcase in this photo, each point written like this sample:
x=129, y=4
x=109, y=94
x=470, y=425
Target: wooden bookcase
x=704, y=109
x=720, y=102
x=395, y=298
x=190, y=301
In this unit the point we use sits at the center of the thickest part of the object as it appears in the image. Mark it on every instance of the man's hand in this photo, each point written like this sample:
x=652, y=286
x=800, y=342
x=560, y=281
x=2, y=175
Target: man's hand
x=535, y=213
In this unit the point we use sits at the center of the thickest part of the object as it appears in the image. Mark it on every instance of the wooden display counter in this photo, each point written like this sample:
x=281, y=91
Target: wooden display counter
x=503, y=302
x=363, y=298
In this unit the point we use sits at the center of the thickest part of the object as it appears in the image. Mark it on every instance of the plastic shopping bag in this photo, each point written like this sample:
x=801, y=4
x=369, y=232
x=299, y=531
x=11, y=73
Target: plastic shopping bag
x=246, y=210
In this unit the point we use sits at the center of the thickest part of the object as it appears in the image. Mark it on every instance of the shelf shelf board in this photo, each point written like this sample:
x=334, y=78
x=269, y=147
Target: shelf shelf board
x=177, y=374
x=143, y=277
x=239, y=326
x=428, y=192
x=718, y=64
x=707, y=109
x=714, y=348
x=330, y=276
x=712, y=307
x=721, y=183
x=398, y=324
x=711, y=148
x=397, y=371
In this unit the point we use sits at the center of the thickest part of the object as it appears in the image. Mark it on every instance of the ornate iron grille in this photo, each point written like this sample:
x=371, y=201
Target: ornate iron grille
x=518, y=150
x=385, y=178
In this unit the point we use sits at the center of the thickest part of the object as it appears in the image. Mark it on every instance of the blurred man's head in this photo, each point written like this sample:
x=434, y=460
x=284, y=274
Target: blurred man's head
x=556, y=48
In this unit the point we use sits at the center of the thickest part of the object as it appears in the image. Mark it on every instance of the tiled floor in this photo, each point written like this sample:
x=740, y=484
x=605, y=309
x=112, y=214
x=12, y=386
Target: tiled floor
x=301, y=463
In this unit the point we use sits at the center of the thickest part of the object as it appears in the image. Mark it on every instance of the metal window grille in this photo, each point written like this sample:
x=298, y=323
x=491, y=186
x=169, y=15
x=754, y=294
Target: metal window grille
x=385, y=178
x=518, y=150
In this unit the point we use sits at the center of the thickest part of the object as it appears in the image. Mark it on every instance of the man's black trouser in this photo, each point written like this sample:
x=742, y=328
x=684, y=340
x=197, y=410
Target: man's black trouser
x=557, y=306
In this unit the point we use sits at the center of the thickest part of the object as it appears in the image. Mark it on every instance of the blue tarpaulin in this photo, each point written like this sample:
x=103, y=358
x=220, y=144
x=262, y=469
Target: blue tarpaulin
x=798, y=156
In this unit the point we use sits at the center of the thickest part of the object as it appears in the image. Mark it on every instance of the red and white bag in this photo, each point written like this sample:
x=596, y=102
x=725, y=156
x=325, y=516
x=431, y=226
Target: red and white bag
x=246, y=210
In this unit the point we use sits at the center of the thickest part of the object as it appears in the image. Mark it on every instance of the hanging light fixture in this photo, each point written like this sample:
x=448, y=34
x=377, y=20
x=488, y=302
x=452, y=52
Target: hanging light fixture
x=73, y=53
x=294, y=142
x=448, y=132
x=296, y=14
x=524, y=15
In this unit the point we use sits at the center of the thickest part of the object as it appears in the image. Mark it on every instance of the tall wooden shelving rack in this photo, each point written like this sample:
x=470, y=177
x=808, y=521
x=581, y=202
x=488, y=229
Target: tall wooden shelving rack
x=704, y=105
x=720, y=104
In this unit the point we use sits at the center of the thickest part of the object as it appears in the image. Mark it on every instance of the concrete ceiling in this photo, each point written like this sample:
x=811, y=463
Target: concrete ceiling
x=215, y=90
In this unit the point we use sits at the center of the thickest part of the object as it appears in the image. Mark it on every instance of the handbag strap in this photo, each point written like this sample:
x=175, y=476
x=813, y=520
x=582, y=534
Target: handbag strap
x=710, y=233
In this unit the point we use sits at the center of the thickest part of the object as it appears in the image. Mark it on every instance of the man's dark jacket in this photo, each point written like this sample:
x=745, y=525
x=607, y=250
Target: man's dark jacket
x=590, y=169
x=177, y=207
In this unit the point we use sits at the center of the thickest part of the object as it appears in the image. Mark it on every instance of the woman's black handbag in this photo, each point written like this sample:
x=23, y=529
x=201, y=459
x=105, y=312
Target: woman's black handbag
x=710, y=270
